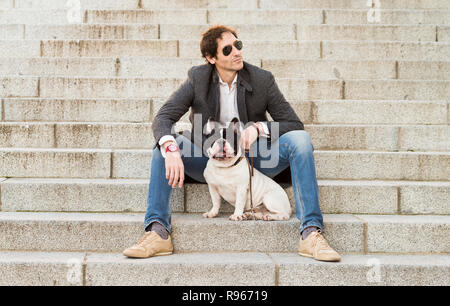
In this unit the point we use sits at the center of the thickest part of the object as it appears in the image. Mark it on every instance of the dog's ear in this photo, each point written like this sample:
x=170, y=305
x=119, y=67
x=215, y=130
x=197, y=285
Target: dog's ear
x=209, y=126
x=236, y=125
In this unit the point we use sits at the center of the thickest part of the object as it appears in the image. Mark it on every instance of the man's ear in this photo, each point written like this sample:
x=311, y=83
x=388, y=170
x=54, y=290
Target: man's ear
x=209, y=126
x=211, y=60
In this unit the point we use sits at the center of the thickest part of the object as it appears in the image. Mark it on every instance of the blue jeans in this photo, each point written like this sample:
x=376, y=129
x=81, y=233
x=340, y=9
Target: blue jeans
x=292, y=149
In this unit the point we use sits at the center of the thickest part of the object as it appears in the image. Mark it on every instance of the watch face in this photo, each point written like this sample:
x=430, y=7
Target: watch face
x=172, y=148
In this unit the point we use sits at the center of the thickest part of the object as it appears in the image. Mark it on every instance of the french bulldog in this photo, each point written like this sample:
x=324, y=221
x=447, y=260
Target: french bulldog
x=228, y=176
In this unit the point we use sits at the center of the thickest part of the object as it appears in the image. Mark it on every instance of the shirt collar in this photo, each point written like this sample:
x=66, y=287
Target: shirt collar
x=223, y=83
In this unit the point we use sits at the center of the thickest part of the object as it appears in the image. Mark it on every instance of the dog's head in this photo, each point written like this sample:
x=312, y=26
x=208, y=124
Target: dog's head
x=224, y=141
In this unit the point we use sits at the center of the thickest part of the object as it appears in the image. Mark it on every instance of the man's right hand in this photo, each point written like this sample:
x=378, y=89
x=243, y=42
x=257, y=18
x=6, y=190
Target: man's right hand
x=174, y=166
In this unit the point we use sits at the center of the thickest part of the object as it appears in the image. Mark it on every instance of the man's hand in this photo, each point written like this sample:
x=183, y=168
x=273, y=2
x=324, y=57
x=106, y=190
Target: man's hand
x=174, y=166
x=249, y=136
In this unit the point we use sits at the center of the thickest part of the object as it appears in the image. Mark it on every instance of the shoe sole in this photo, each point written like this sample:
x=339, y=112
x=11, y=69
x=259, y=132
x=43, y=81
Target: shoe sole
x=310, y=256
x=163, y=254
x=306, y=255
x=158, y=254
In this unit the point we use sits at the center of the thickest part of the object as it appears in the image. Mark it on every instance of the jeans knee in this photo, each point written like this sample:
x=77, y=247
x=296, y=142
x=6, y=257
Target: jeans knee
x=300, y=141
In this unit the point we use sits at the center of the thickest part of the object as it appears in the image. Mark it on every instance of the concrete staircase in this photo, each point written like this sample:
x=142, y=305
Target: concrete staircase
x=78, y=100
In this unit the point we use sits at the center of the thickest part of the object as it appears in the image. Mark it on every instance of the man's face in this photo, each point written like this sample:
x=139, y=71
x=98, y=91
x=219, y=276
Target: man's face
x=232, y=62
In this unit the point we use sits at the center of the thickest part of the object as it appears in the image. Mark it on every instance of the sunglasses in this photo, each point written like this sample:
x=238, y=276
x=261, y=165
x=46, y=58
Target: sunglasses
x=227, y=49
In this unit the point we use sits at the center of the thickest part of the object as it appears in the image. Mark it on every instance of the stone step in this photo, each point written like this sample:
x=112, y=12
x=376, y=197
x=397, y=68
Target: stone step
x=192, y=233
x=354, y=4
x=372, y=112
x=426, y=70
x=177, y=269
x=292, y=88
x=57, y=4
x=385, y=50
x=119, y=195
x=291, y=49
x=231, y=4
x=310, y=111
x=368, y=32
x=294, y=270
x=386, y=16
x=245, y=32
x=70, y=16
x=377, y=138
x=380, y=165
x=121, y=110
x=91, y=48
x=78, y=31
x=56, y=163
x=199, y=16
x=326, y=16
x=220, y=269
x=396, y=89
x=19, y=86
x=104, y=163
x=151, y=31
x=443, y=33
x=178, y=67
x=33, y=16
x=140, y=136
x=136, y=4
x=228, y=16
x=111, y=88
x=351, y=69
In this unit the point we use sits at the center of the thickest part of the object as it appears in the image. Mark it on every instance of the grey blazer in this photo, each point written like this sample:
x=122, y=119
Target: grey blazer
x=257, y=92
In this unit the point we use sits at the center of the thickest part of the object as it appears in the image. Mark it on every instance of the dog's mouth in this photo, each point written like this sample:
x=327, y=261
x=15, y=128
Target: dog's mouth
x=223, y=156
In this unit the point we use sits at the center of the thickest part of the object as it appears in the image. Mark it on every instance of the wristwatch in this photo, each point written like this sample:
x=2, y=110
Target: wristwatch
x=172, y=148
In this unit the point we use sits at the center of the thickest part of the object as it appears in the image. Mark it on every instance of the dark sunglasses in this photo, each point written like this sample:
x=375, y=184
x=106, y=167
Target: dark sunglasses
x=227, y=49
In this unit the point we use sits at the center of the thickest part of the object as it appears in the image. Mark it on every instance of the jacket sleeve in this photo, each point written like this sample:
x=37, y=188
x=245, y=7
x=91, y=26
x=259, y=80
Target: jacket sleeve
x=173, y=109
x=281, y=111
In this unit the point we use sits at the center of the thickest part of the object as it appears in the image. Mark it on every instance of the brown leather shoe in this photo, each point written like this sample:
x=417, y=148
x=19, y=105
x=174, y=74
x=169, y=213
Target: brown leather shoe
x=316, y=246
x=151, y=244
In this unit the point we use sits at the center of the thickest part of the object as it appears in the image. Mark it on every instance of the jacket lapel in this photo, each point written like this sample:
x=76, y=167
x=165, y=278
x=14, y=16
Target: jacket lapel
x=243, y=85
x=214, y=95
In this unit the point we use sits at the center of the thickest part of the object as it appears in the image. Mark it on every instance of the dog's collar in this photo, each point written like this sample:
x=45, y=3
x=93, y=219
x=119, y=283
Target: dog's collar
x=237, y=162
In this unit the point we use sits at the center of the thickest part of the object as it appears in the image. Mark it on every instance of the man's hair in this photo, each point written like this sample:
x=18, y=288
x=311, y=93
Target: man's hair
x=208, y=44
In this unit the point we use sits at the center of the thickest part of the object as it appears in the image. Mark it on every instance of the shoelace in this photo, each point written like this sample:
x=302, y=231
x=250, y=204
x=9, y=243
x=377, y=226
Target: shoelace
x=320, y=241
x=143, y=239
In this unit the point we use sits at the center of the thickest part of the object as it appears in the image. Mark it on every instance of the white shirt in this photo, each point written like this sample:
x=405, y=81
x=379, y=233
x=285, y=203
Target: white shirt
x=228, y=102
x=228, y=109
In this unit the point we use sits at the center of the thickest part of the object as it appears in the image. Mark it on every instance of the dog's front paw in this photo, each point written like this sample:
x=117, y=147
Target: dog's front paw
x=210, y=214
x=237, y=217
x=249, y=215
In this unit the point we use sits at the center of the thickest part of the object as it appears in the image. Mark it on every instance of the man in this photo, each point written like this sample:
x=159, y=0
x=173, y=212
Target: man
x=224, y=88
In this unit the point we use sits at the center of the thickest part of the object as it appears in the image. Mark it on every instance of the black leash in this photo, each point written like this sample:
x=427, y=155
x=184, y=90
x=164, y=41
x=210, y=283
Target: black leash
x=250, y=171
